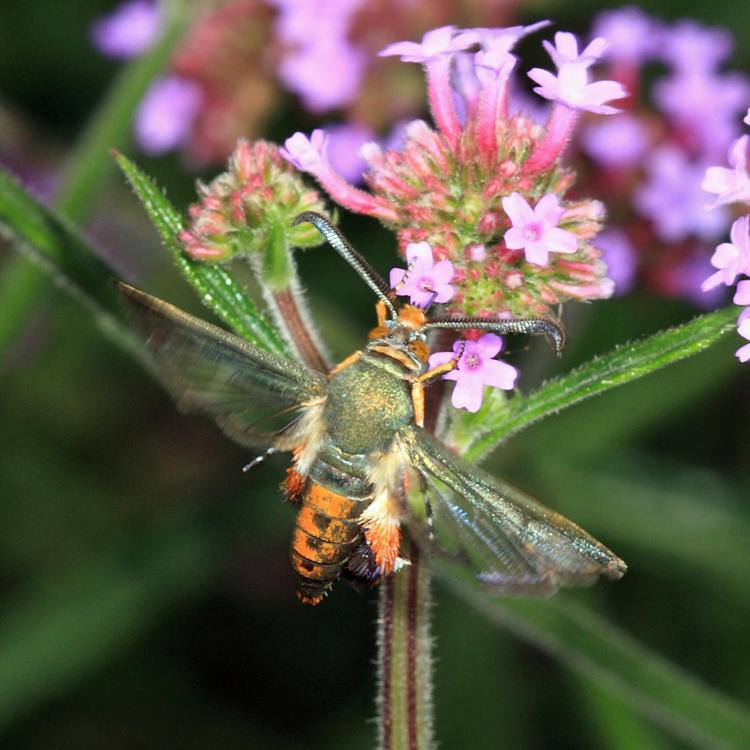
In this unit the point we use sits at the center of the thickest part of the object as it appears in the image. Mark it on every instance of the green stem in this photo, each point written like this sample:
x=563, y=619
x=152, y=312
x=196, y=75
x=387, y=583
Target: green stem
x=21, y=283
x=404, y=698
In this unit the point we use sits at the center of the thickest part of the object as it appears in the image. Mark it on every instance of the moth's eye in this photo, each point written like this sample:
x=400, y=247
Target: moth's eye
x=419, y=349
x=379, y=332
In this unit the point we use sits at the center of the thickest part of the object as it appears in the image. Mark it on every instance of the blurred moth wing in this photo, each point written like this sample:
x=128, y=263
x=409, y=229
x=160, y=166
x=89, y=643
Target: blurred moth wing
x=511, y=542
x=253, y=395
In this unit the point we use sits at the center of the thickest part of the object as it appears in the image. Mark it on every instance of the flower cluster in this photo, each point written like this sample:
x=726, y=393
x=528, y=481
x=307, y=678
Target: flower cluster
x=485, y=188
x=648, y=163
x=259, y=194
x=732, y=259
x=426, y=282
x=227, y=75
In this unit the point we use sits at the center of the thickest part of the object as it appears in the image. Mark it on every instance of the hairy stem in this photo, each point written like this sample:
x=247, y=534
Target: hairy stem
x=404, y=698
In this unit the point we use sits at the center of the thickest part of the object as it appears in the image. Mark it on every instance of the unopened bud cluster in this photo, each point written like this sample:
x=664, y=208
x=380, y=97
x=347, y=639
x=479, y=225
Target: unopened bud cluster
x=260, y=193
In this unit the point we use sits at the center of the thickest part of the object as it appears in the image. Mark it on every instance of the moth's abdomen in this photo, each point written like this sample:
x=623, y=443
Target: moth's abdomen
x=327, y=529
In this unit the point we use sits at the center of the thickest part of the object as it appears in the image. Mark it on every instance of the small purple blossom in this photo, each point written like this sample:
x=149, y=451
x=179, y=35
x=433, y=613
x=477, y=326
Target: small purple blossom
x=673, y=200
x=308, y=154
x=730, y=185
x=129, y=30
x=425, y=281
x=344, y=143
x=565, y=50
x=620, y=257
x=731, y=258
x=502, y=40
x=704, y=105
x=165, y=116
x=690, y=46
x=324, y=76
x=618, y=142
x=571, y=87
x=742, y=296
x=743, y=353
x=535, y=229
x=476, y=368
x=633, y=37
x=436, y=43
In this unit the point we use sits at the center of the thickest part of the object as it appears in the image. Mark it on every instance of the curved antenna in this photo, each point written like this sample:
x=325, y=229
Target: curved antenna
x=521, y=325
x=341, y=245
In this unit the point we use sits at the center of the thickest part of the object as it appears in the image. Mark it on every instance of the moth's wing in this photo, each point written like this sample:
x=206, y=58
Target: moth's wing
x=252, y=394
x=509, y=540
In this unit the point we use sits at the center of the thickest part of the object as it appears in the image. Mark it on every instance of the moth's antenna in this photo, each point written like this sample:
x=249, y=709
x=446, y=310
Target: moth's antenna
x=521, y=325
x=341, y=245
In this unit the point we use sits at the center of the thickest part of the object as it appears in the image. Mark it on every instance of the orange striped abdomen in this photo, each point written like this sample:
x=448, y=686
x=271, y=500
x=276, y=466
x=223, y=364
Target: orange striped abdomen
x=325, y=535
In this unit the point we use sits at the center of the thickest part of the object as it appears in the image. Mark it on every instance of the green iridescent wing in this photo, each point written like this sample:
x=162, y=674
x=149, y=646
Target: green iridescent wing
x=510, y=541
x=251, y=394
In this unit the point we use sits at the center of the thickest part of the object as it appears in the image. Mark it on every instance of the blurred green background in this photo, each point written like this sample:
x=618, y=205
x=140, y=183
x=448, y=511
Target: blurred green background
x=146, y=600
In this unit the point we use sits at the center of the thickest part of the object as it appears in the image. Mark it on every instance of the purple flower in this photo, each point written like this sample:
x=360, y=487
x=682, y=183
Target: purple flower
x=166, y=114
x=325, y=76
x=633, y=37
x=730, y=185
x=571, y=87
x=704, y=105
x=620, y=257
x=619, y=141
x=502, y=40
x=301, y=22
x=731, y=258
x=308, y=154
x=565, y=50
x=425, y=281
x=129, y=30
x=673, y=200
x=476, y=368
x=435, y=43
x=743, y=353
x=535, y=230
x=742, y=296
x=344, y=142
x=689, y=46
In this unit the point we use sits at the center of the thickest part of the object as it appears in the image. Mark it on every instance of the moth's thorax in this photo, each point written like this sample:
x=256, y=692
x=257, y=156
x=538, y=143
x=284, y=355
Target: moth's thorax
x=367, y=403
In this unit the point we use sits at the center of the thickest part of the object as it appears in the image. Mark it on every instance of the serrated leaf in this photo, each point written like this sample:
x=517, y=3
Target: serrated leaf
x=215, y=286
x=49, y=240
x=624, y=364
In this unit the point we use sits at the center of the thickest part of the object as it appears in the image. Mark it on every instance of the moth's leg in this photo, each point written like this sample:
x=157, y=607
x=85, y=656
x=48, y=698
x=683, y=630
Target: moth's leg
x=417, y=386
x=259, y=459
x=350, y=360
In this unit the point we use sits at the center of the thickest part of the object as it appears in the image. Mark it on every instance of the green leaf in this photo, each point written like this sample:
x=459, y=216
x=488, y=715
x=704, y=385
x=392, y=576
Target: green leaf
x=623, y=365
x=49, y=240
x=215, y=285
x=668, y=695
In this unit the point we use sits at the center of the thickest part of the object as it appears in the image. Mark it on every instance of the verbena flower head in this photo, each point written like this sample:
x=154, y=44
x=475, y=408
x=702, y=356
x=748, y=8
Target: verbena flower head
x=240, y=209
x=445, y=185
x=425, y=281
x=476, y=368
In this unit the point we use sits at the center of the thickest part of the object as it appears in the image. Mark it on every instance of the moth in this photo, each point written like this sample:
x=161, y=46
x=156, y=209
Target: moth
x=360, y=450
